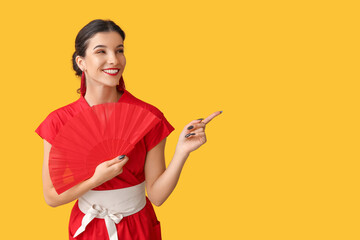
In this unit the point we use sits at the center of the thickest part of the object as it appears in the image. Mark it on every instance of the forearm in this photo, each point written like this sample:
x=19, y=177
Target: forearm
x=53, y=199
x=166, y=182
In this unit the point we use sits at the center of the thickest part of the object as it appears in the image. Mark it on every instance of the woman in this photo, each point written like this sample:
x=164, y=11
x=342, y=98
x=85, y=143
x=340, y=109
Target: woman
x=99, y=60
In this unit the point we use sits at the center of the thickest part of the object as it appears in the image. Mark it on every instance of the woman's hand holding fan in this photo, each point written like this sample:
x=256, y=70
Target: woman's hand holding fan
x=108, y=170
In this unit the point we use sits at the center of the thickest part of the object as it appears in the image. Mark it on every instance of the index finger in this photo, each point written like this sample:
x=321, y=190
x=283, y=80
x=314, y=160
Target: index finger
x=210, y=117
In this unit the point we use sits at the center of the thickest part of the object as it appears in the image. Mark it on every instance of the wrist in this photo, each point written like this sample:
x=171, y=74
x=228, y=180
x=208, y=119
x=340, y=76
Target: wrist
x=181, y=154
x=92, y=182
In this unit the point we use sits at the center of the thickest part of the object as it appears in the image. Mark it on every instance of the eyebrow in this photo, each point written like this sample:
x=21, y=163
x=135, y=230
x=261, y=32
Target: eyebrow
x=121, y=45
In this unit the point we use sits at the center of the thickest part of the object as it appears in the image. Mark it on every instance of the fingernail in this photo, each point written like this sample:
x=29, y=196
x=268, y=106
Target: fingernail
x=188, y=135
x=121, y=157
x=220, y=111
x=191, y=127
x=200, y=119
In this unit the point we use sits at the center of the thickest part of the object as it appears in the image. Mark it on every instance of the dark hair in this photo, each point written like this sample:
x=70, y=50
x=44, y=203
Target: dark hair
x=86, y=33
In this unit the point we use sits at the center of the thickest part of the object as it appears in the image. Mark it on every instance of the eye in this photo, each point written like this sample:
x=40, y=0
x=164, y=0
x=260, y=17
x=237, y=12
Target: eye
x=101, y=51
x=121, y=50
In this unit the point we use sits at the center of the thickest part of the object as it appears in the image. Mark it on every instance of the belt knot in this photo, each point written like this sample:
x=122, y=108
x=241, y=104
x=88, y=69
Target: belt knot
x=101, y=212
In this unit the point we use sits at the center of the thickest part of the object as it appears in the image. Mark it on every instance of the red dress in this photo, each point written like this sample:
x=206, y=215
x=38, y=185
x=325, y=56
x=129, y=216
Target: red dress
x=142, y=225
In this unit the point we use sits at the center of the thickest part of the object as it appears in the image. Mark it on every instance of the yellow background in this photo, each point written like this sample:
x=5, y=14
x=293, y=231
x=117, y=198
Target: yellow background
x=281, y=162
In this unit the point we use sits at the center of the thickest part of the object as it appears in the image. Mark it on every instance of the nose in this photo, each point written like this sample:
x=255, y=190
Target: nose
x=112, y=59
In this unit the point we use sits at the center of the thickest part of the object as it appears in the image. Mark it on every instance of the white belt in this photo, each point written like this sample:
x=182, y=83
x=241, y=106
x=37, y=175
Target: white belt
x=112, y=206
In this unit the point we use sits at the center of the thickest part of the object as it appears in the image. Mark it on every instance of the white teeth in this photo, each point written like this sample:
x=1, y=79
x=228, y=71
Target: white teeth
x=111, y=71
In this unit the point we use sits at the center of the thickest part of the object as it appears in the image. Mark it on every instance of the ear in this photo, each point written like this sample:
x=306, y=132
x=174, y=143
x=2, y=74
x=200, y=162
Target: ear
x=81, y=63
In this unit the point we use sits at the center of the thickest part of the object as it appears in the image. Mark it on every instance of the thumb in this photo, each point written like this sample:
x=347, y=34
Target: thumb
x=120, y=159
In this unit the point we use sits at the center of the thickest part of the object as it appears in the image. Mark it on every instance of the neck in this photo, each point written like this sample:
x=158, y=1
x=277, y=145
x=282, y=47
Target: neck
x=101, y=94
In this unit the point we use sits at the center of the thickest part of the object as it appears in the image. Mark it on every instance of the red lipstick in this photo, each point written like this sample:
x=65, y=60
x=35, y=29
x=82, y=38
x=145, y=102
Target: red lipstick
x=112, y=73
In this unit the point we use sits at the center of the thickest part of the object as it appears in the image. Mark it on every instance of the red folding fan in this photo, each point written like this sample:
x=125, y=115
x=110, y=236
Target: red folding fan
x=93, y=136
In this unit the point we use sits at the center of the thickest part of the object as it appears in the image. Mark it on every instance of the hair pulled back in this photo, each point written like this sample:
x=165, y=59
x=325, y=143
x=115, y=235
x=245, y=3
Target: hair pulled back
x=86, y=33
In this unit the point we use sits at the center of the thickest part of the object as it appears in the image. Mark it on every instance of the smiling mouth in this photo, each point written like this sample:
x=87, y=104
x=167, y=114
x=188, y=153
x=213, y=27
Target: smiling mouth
x=112, y=72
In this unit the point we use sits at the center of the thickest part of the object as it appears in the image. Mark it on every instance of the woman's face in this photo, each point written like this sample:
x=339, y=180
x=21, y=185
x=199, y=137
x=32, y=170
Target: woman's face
x=104, y=60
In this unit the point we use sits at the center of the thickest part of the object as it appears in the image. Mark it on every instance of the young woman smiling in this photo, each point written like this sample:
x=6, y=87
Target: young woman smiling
x=100, y=61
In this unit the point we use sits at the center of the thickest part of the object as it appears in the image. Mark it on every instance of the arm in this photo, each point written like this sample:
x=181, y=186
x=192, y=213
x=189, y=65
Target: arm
x=104, y=172
x=161, y=181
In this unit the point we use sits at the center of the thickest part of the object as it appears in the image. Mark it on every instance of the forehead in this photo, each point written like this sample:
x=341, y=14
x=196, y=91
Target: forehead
x=109, y=39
